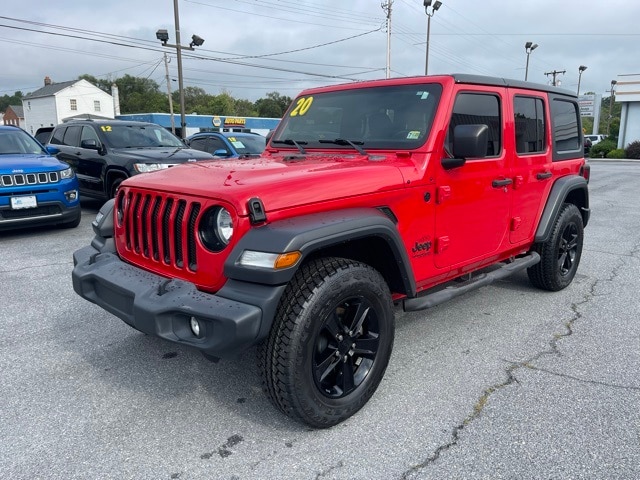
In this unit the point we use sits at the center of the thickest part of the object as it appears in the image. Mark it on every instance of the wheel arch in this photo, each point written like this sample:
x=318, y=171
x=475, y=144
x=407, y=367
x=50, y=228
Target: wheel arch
x=111, y=174
x=570, y=189
x=363, y=234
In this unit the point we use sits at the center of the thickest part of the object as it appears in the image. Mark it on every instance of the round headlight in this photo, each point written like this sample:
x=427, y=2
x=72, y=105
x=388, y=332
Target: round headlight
x=216, y=228
x=224, y=225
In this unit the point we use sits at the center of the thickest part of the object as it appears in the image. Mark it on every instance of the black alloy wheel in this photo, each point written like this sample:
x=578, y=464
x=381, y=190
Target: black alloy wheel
x=346, y=347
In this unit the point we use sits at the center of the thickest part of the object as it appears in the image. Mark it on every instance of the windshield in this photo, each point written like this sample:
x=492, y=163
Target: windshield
x=139, y=136
x=388, y=117
x=16, y=141
x=248, y=144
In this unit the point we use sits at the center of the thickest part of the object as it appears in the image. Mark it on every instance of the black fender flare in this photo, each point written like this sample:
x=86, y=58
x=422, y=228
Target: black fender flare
x=561, y=189
x=312, y=232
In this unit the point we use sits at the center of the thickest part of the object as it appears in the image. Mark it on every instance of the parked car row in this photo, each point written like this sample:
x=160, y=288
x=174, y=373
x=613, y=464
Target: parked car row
x=42, y=186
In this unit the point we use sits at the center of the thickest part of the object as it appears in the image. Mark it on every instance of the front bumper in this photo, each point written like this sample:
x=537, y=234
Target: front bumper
x=47, y=213
x=164, y=307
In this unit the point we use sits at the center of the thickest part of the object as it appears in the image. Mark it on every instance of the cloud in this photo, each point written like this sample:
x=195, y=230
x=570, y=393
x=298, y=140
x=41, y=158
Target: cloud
x=484, y=38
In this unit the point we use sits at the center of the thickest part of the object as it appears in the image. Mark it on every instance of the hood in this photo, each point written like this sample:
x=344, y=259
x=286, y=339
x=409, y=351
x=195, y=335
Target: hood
x=162, y=154
x=26, y=163
x=279, y=181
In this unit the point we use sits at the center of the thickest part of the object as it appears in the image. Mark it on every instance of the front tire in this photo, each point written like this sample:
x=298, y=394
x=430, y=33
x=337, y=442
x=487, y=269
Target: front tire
x=560, y=254
x=330, y=342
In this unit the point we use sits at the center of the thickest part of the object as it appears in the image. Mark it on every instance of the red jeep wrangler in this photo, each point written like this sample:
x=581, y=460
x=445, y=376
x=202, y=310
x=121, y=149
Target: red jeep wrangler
x=409, y=190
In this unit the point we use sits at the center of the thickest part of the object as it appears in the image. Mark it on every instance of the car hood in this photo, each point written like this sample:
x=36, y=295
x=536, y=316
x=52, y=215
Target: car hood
x=24, y=163
x=162, y=154
x=280, y=182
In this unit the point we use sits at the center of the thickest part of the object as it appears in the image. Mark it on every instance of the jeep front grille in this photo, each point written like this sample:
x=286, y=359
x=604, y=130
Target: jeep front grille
x=159, y=228
x=20, y=179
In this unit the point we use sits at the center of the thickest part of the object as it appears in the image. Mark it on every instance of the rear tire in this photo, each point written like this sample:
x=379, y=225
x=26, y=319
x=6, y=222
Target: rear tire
x=560, y=254
x=330, y=342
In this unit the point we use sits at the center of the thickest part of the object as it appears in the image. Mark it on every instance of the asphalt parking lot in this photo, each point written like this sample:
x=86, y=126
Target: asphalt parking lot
x=505, y=382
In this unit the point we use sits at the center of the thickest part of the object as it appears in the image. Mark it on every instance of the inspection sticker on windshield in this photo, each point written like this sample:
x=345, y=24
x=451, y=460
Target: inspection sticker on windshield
x=413, y=135
x=28, y=201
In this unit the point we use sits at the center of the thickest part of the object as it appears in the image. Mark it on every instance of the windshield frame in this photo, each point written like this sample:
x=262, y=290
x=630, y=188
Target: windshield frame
x=376, y=117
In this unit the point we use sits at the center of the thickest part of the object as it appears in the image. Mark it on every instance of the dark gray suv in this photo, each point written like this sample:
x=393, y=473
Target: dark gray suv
x=104, y=153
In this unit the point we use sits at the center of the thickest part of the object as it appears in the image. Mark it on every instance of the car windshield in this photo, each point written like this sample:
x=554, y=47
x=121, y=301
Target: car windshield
x=17, y=142
x=387, y=117
x=248, y=144
x=139, y=136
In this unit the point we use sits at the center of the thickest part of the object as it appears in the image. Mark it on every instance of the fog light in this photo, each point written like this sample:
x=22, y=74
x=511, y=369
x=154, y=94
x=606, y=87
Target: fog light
x=72, y=195
x=195, y=326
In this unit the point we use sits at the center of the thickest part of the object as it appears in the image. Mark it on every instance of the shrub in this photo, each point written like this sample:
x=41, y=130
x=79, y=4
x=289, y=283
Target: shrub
x=633, y=150
x=600, y=149
x=616, y=153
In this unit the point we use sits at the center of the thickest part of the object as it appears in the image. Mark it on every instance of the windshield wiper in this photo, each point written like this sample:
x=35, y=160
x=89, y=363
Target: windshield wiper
x=343, y=141
x=289, y=141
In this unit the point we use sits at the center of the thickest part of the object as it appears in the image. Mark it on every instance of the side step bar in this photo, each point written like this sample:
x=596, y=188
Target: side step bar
x=432, y=299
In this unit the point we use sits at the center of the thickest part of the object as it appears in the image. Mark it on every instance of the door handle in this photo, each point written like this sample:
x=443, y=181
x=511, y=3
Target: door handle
x=543, y=175
x=501, y=183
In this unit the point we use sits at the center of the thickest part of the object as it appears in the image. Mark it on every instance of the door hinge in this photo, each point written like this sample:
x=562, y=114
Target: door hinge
x=443, y=193
x=442, y=244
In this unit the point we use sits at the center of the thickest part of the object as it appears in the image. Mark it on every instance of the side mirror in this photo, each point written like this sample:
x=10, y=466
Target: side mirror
x=51, y=150
x=221, y=152
x=469, y=141
x=91, y=144
x=269, y=135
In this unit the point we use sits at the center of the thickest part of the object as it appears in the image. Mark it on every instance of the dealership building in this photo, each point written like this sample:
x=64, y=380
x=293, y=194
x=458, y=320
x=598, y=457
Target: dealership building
x=627, y=92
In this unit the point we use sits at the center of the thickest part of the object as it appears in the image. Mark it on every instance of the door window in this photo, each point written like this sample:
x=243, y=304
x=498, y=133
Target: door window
x=529, y=119
x=475, y=109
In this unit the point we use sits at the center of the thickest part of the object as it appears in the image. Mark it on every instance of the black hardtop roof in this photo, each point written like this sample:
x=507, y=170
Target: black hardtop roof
x=108, y=122
x=506, y=82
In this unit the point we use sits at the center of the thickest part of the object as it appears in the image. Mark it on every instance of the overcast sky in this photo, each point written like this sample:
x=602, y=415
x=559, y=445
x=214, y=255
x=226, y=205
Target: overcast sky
x=329, y=41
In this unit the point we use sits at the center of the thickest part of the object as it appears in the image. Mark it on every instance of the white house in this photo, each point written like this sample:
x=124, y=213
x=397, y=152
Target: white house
x=627, y=92
x=55, y=102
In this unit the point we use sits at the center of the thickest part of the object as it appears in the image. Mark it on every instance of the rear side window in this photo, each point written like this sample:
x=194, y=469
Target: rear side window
x=530, y=128
x=566, y=128
x=72, y=136
x=473, y=109
x=57, y=136
x=199, y=144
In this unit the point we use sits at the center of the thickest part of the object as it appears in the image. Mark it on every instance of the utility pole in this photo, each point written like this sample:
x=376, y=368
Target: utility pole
x=166, y=69
x=387, y=8
x=555, y=73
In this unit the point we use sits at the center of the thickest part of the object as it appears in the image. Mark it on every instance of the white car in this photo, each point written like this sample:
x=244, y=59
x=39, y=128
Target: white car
x=595, y=138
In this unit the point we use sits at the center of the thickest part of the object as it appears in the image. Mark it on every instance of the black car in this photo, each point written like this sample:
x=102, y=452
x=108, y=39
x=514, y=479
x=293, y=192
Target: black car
x=104, y=153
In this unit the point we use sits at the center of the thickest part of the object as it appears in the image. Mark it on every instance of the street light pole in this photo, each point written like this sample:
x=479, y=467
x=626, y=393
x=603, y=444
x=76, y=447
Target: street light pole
x=166, y=69
x=436, y=5
x=163, y=36
x=581, y=69
x=611, y=98
x=528, y=48
x=183, y=121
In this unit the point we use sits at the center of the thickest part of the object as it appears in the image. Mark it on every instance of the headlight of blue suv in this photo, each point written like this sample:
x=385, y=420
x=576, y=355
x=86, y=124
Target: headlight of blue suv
x=67, y=173
x=216, y=228
x=151, y=167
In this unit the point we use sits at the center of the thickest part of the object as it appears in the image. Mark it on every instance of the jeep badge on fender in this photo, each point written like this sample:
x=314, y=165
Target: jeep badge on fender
x=367, y=195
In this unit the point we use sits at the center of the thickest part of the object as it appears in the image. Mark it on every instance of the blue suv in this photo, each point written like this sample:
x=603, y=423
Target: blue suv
x=228, y=144
x=35, y=187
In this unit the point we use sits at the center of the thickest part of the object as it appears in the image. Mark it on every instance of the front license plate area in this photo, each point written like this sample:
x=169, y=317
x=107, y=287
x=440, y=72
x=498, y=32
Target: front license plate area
x=27, y=201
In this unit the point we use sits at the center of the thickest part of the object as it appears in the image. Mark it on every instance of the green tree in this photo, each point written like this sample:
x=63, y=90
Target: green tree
x=102, y=84
x=245, y=108
x=273, y=106
x=6, y=100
